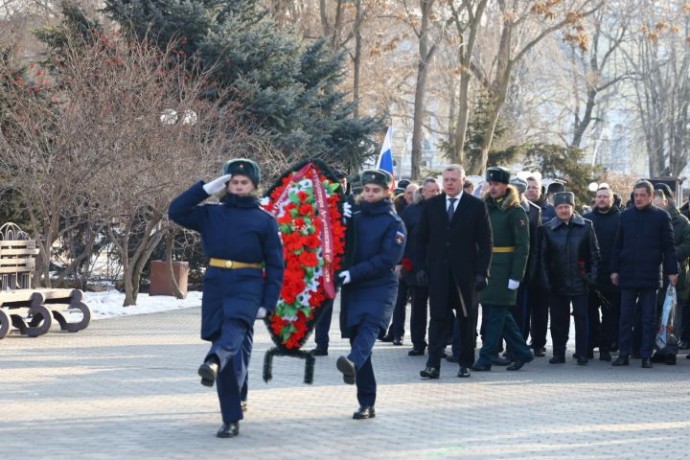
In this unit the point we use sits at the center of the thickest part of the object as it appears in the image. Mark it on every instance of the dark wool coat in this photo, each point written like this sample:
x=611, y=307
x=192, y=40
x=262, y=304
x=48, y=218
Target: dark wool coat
x=644, y=242
x=534, y=216
x=510, y=229
x=569, y=256
x=410, y=217
x=376, y=242
x=606, y=228
x=234, y=229
x=457, y=251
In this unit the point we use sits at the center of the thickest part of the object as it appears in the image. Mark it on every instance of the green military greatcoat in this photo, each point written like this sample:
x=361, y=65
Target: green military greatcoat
x=511, y=247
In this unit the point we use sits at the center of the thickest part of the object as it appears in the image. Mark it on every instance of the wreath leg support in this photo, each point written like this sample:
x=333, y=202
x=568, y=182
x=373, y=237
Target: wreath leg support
x=310, y=362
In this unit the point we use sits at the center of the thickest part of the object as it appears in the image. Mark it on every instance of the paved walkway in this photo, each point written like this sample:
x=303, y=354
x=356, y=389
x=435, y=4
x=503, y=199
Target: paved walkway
x=126, y=387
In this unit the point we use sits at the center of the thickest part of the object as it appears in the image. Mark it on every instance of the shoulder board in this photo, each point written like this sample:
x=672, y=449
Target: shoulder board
x=395, y=215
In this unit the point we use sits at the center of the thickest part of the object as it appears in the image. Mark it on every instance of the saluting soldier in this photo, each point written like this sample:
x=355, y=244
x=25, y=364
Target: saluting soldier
x=375, y=244
x=508, y=263
x=242, y=280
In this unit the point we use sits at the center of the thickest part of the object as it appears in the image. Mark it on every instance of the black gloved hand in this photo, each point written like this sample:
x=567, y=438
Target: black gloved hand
x=422, y=278
x=480, y=283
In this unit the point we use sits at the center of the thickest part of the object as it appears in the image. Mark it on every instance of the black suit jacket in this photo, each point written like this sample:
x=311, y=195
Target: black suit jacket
x=455, y=251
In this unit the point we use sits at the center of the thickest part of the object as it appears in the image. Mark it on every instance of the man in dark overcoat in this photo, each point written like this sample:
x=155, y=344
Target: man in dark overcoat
x=453, y=253
x=643, y=246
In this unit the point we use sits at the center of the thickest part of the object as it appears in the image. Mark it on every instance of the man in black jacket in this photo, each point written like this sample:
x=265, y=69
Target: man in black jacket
x=644, y=242
x=539, y=304
x=606, y=218
x=453, y=253
x=570, y=262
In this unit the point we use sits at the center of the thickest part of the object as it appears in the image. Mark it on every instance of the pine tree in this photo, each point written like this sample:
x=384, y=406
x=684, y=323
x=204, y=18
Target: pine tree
x=286, y=90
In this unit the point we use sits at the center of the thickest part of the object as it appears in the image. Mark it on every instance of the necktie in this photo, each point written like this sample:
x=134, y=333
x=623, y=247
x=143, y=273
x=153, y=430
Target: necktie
x=451, y=207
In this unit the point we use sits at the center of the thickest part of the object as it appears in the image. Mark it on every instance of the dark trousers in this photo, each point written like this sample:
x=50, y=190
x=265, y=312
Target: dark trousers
x=361, y=344
x=559, y=305
x=647, y=306
x=232, y=349
x=397, y=326
x=521, y=310
x=418, y=316
x=603, y=329
x=685, y=320
x=539, y=313
x=440, y=325
x=323, y=325
x=499, y=323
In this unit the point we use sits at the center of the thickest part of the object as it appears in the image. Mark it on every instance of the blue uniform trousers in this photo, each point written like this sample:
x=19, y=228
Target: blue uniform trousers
x=647, y=306
x=323, y=325
x=232, y=349
x=361, y=343
x=501, y=324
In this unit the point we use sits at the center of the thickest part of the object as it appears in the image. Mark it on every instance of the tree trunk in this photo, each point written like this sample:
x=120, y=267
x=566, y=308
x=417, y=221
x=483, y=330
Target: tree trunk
x=175, y=287
x=425, y=55
x=357, y=58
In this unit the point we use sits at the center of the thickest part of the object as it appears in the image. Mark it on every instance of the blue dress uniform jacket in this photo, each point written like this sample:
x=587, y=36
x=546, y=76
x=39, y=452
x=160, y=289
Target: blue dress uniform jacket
x=377, y=248
x=235, y=229
x=643, y=243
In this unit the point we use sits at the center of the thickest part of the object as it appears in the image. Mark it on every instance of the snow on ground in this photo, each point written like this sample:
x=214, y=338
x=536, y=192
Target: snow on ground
x=109, y=303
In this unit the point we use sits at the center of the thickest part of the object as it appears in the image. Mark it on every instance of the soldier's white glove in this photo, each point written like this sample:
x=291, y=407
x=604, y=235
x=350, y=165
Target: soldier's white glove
x=264, y=201
x=261, y=313
x=347, y=210
x=345, y=276
x=512, y=284
x=217, y=185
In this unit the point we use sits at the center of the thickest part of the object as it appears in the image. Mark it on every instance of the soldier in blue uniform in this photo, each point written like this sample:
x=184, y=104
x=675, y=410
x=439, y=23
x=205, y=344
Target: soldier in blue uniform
x=242, y=280
x=375, y=244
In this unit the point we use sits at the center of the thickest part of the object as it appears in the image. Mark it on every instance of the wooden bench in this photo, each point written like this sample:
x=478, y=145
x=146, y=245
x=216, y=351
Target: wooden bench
x=31, y=311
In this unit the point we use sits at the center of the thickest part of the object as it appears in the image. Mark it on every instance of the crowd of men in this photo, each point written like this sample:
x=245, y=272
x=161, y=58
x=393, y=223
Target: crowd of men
x=524, y=255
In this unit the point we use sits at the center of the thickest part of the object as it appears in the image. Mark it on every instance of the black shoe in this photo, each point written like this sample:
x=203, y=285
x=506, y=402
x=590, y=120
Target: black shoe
x=319, y=351
x=229, y=430
x=386, y=338
x=208, y=372
x=364, y=412
x=453, y=359
x=348, y=370
x=670, y=360
x=604, y=356
x=416, y=352
x=481, y=367
x=496, y=361
x=430, y=373
x=658, y=358
x=464, y=372
x=557, y=360
x=516, y=365
x=540, y=352
x=621, y=361
x=582, y=361
x=397, y=341
x=646, y=363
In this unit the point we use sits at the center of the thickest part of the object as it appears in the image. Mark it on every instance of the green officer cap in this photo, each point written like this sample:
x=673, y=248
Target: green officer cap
x=497, y=174
x=377, y=177
x=243, y=167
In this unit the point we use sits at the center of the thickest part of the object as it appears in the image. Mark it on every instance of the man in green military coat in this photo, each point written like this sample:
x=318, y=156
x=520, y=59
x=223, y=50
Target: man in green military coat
x=509, y=259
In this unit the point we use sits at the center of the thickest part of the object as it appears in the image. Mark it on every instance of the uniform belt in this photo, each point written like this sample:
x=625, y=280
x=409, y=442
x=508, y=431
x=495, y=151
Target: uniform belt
x=231, y=264
x=504, y=249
